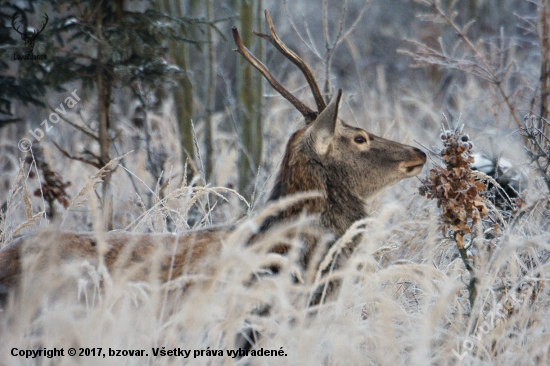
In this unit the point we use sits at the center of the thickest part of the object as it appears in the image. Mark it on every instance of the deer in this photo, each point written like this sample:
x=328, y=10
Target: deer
x=28, y=37
x=345, y=165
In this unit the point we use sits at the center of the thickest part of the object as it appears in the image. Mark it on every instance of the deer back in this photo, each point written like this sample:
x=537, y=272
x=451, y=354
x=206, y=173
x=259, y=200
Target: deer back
x=346, y=164
x=137, y=257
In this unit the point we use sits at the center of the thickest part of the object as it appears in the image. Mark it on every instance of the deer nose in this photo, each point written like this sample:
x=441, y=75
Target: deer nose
x=420, y=152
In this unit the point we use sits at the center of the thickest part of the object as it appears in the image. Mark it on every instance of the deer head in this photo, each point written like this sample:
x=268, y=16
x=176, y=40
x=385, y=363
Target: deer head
x=28, y=37
x=347, y=164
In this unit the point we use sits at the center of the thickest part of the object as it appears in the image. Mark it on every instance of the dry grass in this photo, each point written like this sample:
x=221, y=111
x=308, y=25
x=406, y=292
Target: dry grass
x=404, y=298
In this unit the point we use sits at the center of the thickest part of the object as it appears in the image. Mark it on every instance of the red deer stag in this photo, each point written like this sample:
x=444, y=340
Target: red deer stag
x=345, y=164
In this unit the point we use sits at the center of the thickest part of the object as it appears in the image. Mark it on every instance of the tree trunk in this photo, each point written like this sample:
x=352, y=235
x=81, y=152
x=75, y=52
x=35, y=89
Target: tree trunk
x=208, y=138
x=258, y=81
x=184, y=93
x=250, y=103
x=545, y=59
x=103, y=97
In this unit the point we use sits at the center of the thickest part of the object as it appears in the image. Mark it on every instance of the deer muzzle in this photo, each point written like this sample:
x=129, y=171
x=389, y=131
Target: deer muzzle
x=412, y=167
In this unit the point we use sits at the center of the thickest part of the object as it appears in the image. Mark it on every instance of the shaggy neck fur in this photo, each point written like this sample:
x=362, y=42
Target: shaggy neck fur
x=302, y=171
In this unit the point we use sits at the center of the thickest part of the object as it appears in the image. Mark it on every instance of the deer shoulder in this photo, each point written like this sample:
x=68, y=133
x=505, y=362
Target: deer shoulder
x=346, y=164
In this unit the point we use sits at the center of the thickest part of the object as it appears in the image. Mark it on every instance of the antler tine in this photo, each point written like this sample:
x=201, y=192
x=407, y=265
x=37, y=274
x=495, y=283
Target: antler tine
x=288, y=53
x=307, y=112
x=46, y=22
x=13, y=19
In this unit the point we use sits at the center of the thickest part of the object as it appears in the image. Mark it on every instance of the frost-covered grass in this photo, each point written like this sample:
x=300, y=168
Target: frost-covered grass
x=404, y=298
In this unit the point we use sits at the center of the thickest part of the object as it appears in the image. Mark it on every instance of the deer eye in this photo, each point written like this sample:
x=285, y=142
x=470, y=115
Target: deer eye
x=360, y=139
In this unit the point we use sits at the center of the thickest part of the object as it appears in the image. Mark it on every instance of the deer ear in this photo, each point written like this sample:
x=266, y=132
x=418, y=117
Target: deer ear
x=323, y=128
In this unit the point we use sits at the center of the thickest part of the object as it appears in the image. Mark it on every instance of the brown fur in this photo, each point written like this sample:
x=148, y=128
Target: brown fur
x=346, y=173
x=346, y=164
x=323, y=156
x=177, y=255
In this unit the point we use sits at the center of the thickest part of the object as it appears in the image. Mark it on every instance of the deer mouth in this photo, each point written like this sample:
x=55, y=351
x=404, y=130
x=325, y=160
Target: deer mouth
x=414, y=165
x=412, y=169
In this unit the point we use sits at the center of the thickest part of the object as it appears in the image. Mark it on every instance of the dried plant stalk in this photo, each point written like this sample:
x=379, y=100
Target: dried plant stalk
x=457, y=193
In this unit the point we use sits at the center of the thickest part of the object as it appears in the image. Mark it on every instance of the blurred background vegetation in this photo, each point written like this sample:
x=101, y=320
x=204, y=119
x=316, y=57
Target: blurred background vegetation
x=159, y=79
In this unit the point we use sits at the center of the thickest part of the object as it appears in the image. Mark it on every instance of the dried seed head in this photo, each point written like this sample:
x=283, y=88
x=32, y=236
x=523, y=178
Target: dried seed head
x=454, y=186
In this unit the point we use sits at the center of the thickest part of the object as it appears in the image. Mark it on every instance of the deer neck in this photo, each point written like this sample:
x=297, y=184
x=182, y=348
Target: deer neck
x=342, y=207
x=300, y=171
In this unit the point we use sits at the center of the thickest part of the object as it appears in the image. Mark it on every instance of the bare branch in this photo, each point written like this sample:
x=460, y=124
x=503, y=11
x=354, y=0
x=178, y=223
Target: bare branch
x=72, y=157
x=483, y=60
x=80, y=128
x=425, y=55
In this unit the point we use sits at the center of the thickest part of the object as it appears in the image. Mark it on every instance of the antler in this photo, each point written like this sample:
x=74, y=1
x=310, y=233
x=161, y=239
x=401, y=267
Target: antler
x=309, y=114
x=13, y=19
x=288, y=53
x=35, y=33
x=43, y=26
